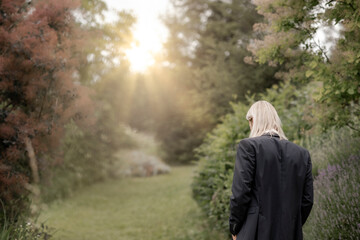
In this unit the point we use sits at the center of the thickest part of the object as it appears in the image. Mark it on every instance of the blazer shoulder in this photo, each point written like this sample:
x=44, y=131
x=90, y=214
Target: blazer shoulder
x=299, y=147
x=246, y=146
x=253, y=140
x=246, y=142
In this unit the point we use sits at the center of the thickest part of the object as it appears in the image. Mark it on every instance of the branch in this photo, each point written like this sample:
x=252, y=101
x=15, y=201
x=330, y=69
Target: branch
x=331, y=1
x=45, y=94
x=353, y=128
x=345, y=3
x=322, y=51
x=21, y=9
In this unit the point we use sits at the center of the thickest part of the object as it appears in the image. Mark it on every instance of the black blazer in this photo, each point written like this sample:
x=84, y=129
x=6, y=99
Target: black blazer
x=272, y=190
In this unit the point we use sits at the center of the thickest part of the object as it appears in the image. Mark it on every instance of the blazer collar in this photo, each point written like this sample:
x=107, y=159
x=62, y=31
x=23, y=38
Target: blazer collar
x=271, y=135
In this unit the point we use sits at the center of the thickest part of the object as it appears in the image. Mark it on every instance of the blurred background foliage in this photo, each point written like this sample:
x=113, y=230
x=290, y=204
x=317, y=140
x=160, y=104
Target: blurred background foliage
x=93, y=118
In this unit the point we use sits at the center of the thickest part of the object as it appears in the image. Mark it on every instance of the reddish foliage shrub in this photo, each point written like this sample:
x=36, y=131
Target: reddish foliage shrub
x=37, y=91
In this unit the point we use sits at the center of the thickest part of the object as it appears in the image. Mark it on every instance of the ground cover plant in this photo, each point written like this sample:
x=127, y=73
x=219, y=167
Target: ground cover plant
x=23, y=229
x=336, y=212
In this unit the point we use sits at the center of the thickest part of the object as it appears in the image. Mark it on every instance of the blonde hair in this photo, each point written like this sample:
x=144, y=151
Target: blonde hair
x=264, y=120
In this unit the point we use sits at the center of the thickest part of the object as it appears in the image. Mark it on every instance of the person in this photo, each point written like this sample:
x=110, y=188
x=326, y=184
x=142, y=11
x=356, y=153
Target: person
x=272, y=189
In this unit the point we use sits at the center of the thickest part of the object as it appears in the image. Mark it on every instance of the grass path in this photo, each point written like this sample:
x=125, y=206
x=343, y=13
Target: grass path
x=158, y=208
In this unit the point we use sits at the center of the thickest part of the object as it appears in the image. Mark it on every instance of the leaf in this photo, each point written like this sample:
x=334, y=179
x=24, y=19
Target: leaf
x=351, y=91
x=313, y=64
x=309, y=73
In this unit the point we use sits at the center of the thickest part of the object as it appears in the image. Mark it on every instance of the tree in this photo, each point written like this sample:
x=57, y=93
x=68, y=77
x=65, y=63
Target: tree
x=290, y=37
x=37, y=92
x=106, y=41
x=205, y=55
x=88, y=150
x=211, y=39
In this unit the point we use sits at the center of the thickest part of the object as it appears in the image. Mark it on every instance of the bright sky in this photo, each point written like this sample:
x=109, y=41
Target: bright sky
x=149, y=31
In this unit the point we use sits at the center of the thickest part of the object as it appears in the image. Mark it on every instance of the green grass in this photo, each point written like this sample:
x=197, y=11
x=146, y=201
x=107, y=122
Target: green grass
x=159, y=207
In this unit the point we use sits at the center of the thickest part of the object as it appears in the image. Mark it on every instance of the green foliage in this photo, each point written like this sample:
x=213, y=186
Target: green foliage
x=181, y=129
x=205, y=51
x=92, y=9
x=296, y=108
x=105, y=42
x=210, y=38
x=211, y=186
x=331, y=147
x=24, y=231
x=15, y=209
x=21, y=229
x=89, y=156
x=335, y=214
x=336, y=162
x=289, y=41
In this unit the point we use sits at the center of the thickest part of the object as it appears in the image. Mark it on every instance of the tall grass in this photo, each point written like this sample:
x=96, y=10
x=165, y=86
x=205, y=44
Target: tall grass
x=336, y=212
x=332, y=147
x=22, y=229
x=336, y=164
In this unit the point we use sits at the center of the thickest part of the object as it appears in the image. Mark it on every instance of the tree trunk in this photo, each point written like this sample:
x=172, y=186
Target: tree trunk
x=33, y=188
x=32, y=160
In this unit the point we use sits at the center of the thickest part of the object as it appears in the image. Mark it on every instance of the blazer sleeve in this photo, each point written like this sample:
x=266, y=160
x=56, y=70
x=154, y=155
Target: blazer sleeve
x=242, y=185
x=308, y=192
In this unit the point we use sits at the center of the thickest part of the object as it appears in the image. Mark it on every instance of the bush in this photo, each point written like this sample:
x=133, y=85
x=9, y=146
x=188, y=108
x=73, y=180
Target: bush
x=89, y=157
x=211, y=186
x=336, y=212
x=136, y=163
x=331, y=147
x=144, y=161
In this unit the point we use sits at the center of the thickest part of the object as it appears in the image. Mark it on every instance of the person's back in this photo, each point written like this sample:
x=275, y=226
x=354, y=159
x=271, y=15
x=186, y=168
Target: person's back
x=281, y=168
x=272, y=189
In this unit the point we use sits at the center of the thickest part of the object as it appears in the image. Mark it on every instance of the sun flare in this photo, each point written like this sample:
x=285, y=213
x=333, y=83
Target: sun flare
x=141, y=54
x=139, y=57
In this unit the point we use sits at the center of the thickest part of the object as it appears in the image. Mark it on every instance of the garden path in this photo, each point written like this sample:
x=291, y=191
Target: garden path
x=159, y=207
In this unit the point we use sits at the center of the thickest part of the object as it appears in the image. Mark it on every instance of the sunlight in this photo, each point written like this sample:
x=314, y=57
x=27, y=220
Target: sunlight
x=139, y=57
x=142, y=53
x=149, y=32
